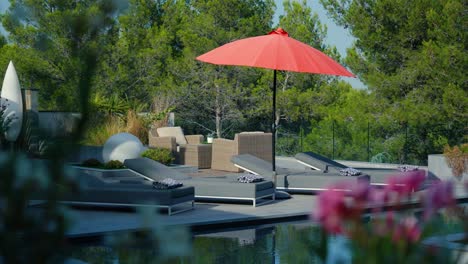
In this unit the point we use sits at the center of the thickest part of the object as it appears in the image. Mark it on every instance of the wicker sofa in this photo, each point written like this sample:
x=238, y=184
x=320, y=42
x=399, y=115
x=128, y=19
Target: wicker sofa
x=187, y=149
x=171, y=137
x=255, y=143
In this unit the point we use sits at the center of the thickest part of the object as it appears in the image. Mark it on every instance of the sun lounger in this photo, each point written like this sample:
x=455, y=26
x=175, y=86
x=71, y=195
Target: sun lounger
x=292, y=181
x=224, y=188
x=125, y=188
x=319, y=162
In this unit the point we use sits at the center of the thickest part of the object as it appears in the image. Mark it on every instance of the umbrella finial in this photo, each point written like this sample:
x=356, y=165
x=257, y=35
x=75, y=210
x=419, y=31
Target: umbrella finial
x=279, y=31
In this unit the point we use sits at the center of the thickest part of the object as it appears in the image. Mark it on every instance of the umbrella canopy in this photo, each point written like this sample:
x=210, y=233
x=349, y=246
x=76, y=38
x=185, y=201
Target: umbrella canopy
x=275, y=51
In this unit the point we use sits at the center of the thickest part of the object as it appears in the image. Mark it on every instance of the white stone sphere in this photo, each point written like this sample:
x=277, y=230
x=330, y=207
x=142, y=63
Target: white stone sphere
x=122, y=146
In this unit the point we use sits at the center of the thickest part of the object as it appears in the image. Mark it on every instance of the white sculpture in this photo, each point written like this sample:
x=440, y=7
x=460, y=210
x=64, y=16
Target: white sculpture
x=122, y=146
x=11, y=91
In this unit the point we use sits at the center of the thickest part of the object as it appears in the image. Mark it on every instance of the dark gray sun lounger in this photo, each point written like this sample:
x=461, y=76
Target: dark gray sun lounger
x=125, y=188
x=319, y=162
x=290, y=181
x=224, y=188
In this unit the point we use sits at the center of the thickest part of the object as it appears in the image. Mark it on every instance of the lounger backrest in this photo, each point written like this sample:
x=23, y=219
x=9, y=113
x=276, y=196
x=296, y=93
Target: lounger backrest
x=153, y=169
x=86, y=179
x=252, y=164
x=320, y=162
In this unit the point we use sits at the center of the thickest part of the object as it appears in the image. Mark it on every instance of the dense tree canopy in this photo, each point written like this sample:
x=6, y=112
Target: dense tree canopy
x=411, y=55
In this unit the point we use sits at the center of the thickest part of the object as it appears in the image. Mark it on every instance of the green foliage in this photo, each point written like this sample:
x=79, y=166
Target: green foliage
x=100, y=129
x=161, y=155
x=412, y=56
x=114, y=164
x=52, y=34
x=3, y=41
x=4, y=121
x=111, y=105
x=25, y=179
x=91, y=163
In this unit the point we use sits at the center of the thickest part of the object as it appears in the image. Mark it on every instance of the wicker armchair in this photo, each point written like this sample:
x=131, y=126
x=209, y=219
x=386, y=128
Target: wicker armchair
x=172, y=138
x=254, y=143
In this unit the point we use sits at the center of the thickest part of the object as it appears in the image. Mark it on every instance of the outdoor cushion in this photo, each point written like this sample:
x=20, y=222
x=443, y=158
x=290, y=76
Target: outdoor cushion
x=229, y=187
x=154, y=170
x=319, y=162
x=290, y=181
x=221, y=187
x=124, y=188
x=256, y=165
x=173, y=132
x=379, y=176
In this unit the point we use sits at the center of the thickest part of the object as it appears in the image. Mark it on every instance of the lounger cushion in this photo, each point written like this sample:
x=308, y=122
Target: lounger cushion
x=228, y=187
x=173, y=132
x=256, y=165
x=319, y=161
x=224, y=186
x=125, y=190
x=154, y=170
x=314, y=181
x=294, y=181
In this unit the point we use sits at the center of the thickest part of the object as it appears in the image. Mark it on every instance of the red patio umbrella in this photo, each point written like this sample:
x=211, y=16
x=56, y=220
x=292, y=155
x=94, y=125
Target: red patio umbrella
x=275, y=51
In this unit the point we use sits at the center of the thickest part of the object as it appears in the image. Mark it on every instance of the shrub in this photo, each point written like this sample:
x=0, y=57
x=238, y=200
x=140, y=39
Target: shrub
x=159, y=154
x=100, y=129
x=457, y=159
x=114, y=164
x=91, y=163
x=135, y=125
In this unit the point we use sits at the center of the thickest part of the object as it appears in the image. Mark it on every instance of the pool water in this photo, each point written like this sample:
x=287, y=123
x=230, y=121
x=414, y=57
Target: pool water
x=280, y=243
x=292, y=242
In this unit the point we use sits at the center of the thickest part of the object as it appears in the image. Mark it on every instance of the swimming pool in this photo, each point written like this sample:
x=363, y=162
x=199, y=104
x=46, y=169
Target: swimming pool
x=279, y=243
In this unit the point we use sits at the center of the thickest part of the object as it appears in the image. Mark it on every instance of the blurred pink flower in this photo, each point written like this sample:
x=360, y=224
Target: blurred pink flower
x=378, y=196
x=438, y=196
x=405, y=183
x=360, y=191
x=407, y=229
x=385, y=225
x=331, y=210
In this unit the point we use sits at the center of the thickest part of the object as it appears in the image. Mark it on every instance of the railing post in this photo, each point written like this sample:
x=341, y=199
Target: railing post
x=368, y=141
x=333, y=139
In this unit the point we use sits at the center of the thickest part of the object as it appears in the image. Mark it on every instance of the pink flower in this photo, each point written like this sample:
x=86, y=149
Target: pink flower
x=408, y=229
x=378, y=196
x=334, y=207
x=438, y=196
x=360, y=191
x=384, y=226
x=405, y=183
x=331, y=210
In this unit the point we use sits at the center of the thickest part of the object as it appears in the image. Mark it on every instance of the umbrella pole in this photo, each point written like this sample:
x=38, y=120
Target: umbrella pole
x=273, y=138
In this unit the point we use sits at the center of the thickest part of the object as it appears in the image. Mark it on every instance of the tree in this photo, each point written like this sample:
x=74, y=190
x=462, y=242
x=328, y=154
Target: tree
x=217, y=97
x=412, y=55
x=43, y=30
x=39, y=236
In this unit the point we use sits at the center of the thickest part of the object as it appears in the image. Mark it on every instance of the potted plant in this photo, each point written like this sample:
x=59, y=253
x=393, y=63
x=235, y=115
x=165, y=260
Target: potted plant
x=209, y=137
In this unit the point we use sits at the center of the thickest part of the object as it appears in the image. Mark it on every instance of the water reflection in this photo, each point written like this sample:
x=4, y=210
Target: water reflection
x=281, y=243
